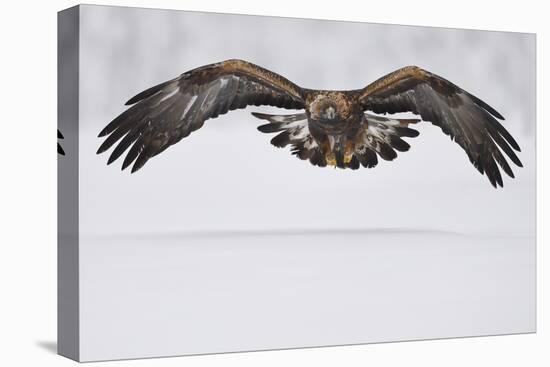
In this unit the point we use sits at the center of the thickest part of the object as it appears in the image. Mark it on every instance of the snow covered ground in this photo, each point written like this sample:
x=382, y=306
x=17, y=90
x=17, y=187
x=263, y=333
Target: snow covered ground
x=215, y=292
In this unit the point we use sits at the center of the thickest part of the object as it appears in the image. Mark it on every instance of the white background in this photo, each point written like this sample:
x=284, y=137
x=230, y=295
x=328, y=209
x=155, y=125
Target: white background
x=28, y=183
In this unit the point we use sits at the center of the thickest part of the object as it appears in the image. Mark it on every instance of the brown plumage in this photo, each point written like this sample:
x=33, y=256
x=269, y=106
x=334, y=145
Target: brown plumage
x=335, y=128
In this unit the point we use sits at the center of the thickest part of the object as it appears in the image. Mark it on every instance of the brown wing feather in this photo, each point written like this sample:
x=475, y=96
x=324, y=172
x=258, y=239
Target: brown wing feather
x=164, y=114
x=469, y=121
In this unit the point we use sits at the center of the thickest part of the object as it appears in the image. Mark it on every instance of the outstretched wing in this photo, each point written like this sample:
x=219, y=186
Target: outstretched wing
x=164, y=114
x=468, y=120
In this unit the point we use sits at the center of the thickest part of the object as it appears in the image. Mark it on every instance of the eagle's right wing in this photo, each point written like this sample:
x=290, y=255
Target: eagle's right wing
x=164, y=114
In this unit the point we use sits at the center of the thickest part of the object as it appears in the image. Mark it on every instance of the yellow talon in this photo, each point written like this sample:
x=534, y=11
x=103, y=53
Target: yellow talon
x=331, y=159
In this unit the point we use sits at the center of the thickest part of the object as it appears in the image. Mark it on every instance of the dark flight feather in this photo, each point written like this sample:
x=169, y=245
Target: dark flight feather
x=60, y=150
x=383, y=135
x=294, y=130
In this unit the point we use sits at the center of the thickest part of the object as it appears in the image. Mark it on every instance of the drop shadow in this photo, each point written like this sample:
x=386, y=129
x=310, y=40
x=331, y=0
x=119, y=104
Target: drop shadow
x=313, y=232
x=214, y=234
x=48, y=345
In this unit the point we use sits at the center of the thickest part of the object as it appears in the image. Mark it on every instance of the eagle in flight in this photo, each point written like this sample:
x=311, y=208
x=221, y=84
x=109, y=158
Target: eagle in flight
x=334, y=128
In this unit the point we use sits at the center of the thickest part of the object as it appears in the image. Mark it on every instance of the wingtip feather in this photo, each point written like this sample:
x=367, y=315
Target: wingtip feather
x=102, y=133
x=111, y=159
x=136, y=167
x=133, y=100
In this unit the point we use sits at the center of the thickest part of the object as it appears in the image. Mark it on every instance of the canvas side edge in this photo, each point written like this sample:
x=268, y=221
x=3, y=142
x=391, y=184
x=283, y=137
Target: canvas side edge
x=68, y=325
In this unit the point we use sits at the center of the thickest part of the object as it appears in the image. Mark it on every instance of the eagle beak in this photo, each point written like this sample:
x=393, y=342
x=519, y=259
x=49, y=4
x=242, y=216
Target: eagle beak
x=330, y=113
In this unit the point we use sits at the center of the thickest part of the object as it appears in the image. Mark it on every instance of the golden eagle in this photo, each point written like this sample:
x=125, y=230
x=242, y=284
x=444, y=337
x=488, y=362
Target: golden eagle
x=334, y=128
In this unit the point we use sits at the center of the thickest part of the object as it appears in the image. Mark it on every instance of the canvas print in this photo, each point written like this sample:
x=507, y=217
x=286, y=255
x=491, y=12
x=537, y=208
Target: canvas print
x=220, y=242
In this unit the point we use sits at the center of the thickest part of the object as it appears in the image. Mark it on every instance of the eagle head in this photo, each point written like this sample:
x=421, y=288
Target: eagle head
x=324, y=109
x=329, y=113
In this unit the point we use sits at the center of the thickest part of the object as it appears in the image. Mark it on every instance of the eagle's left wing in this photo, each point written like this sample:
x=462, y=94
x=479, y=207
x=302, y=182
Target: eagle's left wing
x=471, y=122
